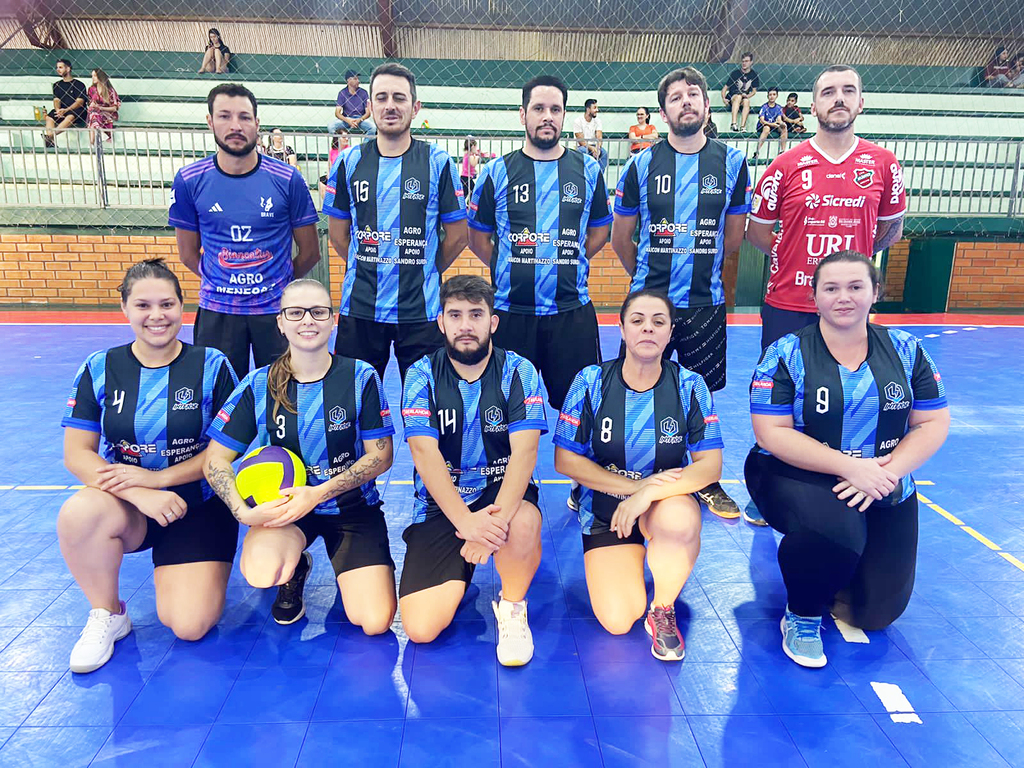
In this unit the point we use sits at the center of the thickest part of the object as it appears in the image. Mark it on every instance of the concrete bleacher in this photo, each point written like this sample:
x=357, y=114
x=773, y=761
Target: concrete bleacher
x=958, y=145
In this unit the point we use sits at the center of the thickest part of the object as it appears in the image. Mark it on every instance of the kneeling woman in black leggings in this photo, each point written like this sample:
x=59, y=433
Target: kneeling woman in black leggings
x=843, y=412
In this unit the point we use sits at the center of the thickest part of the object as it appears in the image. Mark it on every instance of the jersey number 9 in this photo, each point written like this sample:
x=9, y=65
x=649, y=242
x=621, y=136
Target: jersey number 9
x=821, y=396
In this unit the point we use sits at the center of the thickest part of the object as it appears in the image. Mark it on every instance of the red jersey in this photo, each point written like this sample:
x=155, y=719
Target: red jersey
x=825, y=206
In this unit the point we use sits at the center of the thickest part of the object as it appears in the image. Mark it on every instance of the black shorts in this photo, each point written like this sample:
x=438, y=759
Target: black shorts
x=356, y=538
x=560, y=346
x=776, y=323
x=235, y=334
x=434, y=551
x=207, y=533
x=699, y=340
x=371, y=341
x=611, y=539
x=79, y=118
x=773, y=133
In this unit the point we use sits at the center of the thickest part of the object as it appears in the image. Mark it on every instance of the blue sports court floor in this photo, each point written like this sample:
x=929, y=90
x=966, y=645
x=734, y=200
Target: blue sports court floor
x=944, y=686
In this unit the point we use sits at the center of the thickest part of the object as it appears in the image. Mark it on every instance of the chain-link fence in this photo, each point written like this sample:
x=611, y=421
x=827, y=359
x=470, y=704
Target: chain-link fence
x=923, y=63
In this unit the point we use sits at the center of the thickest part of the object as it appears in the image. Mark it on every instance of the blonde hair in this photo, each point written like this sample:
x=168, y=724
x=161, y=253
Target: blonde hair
x=281, y=372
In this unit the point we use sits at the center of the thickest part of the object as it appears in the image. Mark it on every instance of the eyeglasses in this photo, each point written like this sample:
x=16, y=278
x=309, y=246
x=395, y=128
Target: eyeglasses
x=297, y=313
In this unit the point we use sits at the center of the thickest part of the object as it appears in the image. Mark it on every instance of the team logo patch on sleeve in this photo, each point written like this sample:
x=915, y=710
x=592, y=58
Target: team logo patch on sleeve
x=385, y=413
x=618, y=193
x=472, y=206
x=416, y=412
x=72, y=401
x=569, y=419
x=762, y=384
x=533, y=400
x=712, y=419
x=223, y=416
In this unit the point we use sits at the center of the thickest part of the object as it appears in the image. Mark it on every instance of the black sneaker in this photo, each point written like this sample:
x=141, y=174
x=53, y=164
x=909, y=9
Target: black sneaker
x=719, y=502
x=666, y=641
x=289, y=607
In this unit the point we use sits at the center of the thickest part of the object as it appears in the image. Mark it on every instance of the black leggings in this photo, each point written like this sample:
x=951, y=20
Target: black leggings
x=859, y=565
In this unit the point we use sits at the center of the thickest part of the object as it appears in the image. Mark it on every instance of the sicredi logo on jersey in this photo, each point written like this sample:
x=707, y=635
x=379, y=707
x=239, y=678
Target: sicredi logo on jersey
x=183, y=400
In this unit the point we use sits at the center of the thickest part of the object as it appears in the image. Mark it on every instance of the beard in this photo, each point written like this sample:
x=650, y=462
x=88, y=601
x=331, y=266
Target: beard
x=394, y=131
x=545, y=144
x=830, y=126
x=685, y=130
x=468, y=356
x=248, y=147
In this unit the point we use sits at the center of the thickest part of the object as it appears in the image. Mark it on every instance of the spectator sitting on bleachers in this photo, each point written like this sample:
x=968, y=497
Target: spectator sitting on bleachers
x=739, y=90
x=642, y=130
x=770, y=121
x=792, y=115
x=353, y=108
x=278, y=150
x=590, y=133
x=1017, y=71
x=997, y=71
x=217, y=55
x=69, y=100
x=103, y=106
x=338, y=142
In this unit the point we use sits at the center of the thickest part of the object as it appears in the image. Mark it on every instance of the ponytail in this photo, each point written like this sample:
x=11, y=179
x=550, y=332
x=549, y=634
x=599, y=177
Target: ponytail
x=278, y=378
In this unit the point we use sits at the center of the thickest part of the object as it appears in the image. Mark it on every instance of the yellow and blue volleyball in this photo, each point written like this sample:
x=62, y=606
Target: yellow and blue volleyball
x=265, y=471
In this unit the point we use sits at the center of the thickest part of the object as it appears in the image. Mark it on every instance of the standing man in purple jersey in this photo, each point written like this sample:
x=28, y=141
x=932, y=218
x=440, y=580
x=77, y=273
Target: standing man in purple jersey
x=242, y=209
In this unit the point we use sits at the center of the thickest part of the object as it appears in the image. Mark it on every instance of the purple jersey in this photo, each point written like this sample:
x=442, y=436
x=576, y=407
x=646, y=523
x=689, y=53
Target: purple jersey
x=245, y=227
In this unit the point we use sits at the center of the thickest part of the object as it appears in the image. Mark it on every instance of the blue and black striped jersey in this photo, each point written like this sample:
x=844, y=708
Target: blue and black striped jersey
x=634, y=433
x=470, y=420
x=682, y=201
x=539, y=212
x=863, y=413
x=335, y=415
x=396, y=206
x=151, y=417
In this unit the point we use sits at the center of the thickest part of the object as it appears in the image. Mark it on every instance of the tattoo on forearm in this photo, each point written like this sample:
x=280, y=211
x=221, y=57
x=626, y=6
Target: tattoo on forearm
x=352, y=477
x=222, y=480
x=887, y=236
x=382, y=443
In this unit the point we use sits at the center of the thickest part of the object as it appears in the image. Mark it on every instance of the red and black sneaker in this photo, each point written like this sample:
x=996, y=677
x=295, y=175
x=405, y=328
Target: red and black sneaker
x=666, y=642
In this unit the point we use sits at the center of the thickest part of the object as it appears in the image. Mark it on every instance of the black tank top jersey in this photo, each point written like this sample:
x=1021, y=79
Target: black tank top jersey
x=634, y=433
x=151, y=417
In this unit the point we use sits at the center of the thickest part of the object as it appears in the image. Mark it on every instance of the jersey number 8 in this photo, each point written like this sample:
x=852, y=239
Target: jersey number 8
x=606, y=429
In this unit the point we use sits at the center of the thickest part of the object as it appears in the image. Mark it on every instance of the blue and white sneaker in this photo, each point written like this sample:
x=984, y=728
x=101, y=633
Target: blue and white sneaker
x=572, y=502
x=753, y=515
x=801, y=639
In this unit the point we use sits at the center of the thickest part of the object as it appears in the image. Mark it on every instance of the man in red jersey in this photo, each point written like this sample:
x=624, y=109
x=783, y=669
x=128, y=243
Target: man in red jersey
x=831, y=193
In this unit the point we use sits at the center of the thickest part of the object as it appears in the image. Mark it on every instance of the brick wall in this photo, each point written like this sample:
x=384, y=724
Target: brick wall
x=987, y=276
x=84, y=270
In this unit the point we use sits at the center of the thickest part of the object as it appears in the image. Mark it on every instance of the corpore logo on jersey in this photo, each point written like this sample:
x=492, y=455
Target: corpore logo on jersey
x=338, y=419
x=666, y=229
x=266, y=206
x=372, y=236
x=895, y=395
x=709, y=185
x=670, y=431
x=571, y=194
x=412, y=190
x=863, y=177
x=183, y=400
x=770, y=190
x=134, y=449
x=494, y=420
x=526, y=237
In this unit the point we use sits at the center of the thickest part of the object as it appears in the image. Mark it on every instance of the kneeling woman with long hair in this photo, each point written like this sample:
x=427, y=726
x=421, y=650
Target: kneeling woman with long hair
x=624, y=434
x=843, y=412
x=134, y=435
x=331, y=412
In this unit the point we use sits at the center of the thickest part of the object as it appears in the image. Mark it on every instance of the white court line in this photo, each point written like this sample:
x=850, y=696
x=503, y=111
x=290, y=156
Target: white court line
x=931, y=335
x=850, y=634
x=949, y=331
x=969, y=328
x=896, y=703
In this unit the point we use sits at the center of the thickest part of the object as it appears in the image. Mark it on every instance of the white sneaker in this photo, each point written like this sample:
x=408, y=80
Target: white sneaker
x=515, y=641
x=96, y=645
x=572, y=502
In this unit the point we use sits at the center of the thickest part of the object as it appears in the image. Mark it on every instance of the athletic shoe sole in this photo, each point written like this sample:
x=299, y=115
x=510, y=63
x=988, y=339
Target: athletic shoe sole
x=654, y=652
x=727, y=514
x=80, y=670
x=516, y=662
x=758, y=521
x=309, y=569
x=292, y=621
x=803, y=661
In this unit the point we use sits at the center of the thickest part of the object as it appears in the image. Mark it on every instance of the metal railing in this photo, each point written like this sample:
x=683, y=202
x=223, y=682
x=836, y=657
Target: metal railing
x=944, y=177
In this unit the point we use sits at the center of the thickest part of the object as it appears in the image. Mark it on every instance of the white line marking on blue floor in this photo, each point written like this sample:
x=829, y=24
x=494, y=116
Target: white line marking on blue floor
x=851, y=634
x=896, y=703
